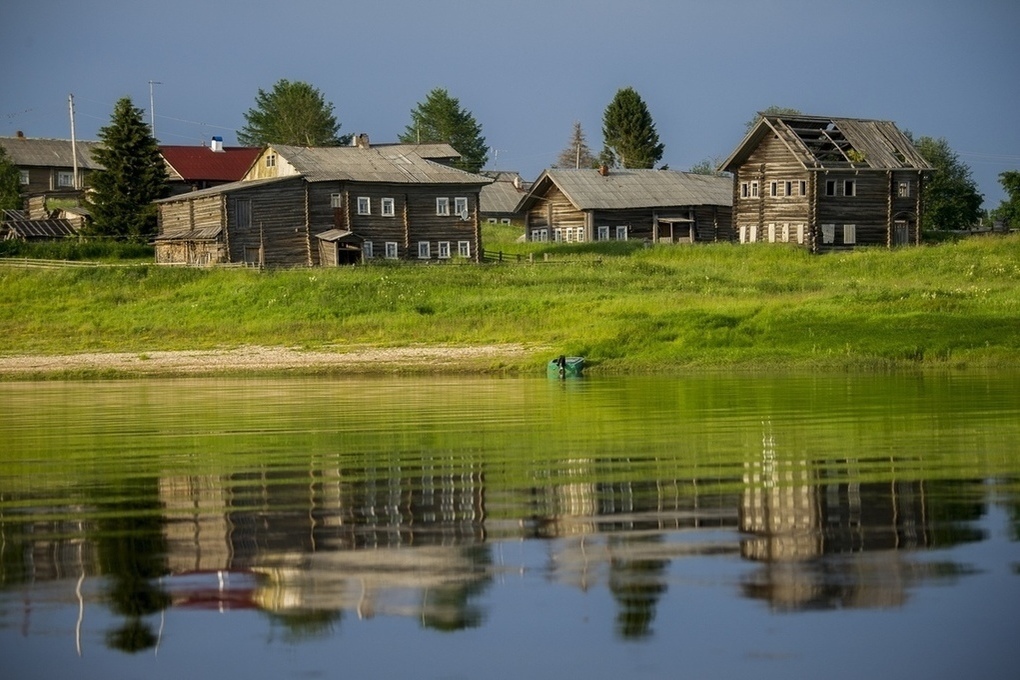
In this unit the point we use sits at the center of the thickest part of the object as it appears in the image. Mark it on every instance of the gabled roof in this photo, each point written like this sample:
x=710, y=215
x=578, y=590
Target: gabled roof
x=385, y=164
x=228, y=188
x=620, y=189
x=50, y=153
x=201, y=163
x=833, y=143
x=503, y=195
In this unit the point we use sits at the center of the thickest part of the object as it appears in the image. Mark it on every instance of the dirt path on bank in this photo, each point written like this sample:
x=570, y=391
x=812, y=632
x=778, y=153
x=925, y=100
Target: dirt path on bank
x=255, y=359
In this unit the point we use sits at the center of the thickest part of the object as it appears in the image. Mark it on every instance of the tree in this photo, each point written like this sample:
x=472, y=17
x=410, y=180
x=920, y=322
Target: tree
x=1009, y=209
x=707, y=166
x=577, y=154
x=629, y=133
x=770, y=111
x=950, y=197
x=10, y=183
x=293, y=113
x=441, y=119
x=134, y=175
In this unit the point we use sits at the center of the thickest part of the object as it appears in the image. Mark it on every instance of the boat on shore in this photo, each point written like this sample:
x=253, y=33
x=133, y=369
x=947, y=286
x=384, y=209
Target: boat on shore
x=565, y=367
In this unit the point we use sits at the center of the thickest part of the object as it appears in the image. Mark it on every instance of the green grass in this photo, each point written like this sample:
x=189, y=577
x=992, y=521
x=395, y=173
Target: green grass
x=623, y=306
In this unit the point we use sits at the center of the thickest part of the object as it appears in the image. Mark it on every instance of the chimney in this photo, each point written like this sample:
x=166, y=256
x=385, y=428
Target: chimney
x=361, y=141
x=604, y=170
x=21, y=135
x=217, y=144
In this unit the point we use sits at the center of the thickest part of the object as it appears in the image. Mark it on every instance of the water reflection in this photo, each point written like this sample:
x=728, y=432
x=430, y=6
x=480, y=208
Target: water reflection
x=327, y=524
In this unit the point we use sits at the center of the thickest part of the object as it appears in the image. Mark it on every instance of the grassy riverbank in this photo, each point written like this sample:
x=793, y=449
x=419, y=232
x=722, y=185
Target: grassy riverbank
x=624, y=307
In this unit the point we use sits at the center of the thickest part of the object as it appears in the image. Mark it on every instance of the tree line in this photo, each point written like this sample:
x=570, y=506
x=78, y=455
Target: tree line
x=120, y=198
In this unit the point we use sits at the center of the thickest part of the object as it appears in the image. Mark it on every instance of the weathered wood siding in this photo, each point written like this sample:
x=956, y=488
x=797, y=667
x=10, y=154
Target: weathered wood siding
x=267, y=225
x=554, y=211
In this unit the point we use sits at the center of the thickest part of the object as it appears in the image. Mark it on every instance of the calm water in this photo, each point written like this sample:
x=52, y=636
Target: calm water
x=714, y=526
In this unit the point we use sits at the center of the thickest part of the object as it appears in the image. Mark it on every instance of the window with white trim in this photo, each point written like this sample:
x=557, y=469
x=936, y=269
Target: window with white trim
x=444, y=250
x=745, y=189
x=270, y=160
x=602, y=233
x=621, y=232
x=460, y=206
x=388, y=207
x=424, y=250
x=579, y=234
x=849, y=187
x=364, y=205
x=903, y=189
x=367, y=250
x=336, y=200
x=505, y=220
x=65, y=179
x=540, y=234
x=24, y=177
x=849, y=234
x=492, y=220
x=464, y=248
x=828, y=233
x=391, y=250
x=754, y=189
x=442, y=206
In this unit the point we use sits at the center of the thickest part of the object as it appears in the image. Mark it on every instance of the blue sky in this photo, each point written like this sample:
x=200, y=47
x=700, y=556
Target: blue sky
x=527, y=69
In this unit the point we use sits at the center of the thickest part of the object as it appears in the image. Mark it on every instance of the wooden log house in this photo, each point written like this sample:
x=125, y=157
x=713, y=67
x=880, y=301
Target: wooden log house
x=826, y=183
x=660, y=206
x=302, y=206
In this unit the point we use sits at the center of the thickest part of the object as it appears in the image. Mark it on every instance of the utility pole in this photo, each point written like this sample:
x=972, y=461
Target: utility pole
x=152, y=108
x=74, y=144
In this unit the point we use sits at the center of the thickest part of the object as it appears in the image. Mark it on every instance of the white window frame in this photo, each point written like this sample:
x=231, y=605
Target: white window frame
x=849, y=234
x=754, y=189
x=540, y=235
x=903, y=189
x=270, y=160
x=460, y=206
x=443, y=252
x=388, y=207
x=505, y=220
x=364, y=205
x=602, y=233
x=424, y=250
x=25, y=179
x=849, y=187
x=65, y=178
x=464, y=248
x=367, y=250
x=492, y=220
x=828, y=233
x=579, y=234
x=336, y=201
x=443, y=206
x=745, y=190
x=622, y=232
x=391, y=250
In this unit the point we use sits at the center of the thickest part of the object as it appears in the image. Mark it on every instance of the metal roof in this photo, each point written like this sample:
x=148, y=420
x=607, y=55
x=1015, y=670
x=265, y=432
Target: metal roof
x=825, y=143
x=339, y=235
x=49, y=153
x=201, y=163
x=619, y=189
x=385, y=164
x=201, y=234
x=227, y=188
x=501, y=196
x=41, y=228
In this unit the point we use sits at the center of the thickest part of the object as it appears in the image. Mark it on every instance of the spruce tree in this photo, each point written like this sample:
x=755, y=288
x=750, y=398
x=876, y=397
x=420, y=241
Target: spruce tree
x=577, y=154
x=440, y=118
x=121, y=195
x=630, y=137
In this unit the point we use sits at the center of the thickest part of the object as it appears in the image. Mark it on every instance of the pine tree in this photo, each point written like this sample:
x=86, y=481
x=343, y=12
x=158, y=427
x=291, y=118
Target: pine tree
x=293, y=113
x=577, y=154
x=10, y=183
x=630, y=137
x=121, y=196
x=440, y=118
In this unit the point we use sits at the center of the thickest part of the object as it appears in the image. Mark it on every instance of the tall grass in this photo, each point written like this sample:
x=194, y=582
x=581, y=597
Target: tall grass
x=637, y=309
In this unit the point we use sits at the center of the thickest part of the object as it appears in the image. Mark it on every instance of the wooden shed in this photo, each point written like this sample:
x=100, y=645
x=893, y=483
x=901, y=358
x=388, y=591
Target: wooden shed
x=661, y=206
x=826, y=183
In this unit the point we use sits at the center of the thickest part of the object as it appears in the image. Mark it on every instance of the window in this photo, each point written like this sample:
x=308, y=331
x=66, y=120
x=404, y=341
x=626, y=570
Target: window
x=850, y=187
x=803, y=187
x=754, y=190
x=828, y=233
x=442, y=206
x=424, y=250
x=773, y=189
x=364, y=205
x=745, y=190
x=388, y=207
x=464, y=248
x=65, y=179
x=789, y=188
x=539, y=234
x=903, y=189
x=621, y=233
x=336, y=200
x=460, y=206
x=270, y=160
x=366, y=250
x=849, y=233
x=505, y=220
x=830, y=187
x=579, y=234
x=492, y=220
x=444, y=250
x=602, y=233
x=242, y=213
x=391, y=250
x=24, y=176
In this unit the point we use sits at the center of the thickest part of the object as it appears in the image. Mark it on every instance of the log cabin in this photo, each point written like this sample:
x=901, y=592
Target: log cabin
x=603, y=204
x=826, y=183
x=50, y=168
x=300, y=206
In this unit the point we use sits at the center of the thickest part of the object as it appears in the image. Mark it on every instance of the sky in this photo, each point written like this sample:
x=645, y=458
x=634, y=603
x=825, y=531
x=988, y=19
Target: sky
x=526, y=69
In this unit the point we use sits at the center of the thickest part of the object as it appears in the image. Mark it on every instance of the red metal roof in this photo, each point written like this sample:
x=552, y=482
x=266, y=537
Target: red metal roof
x=201, y=163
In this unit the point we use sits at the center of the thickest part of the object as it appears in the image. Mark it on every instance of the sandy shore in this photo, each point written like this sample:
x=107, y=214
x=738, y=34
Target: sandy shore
x=253, y=359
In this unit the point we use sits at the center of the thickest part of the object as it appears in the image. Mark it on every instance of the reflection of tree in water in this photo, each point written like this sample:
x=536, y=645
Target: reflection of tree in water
x=449, y=607
x=306, y=624
x=132, y=554
x=636, y=584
